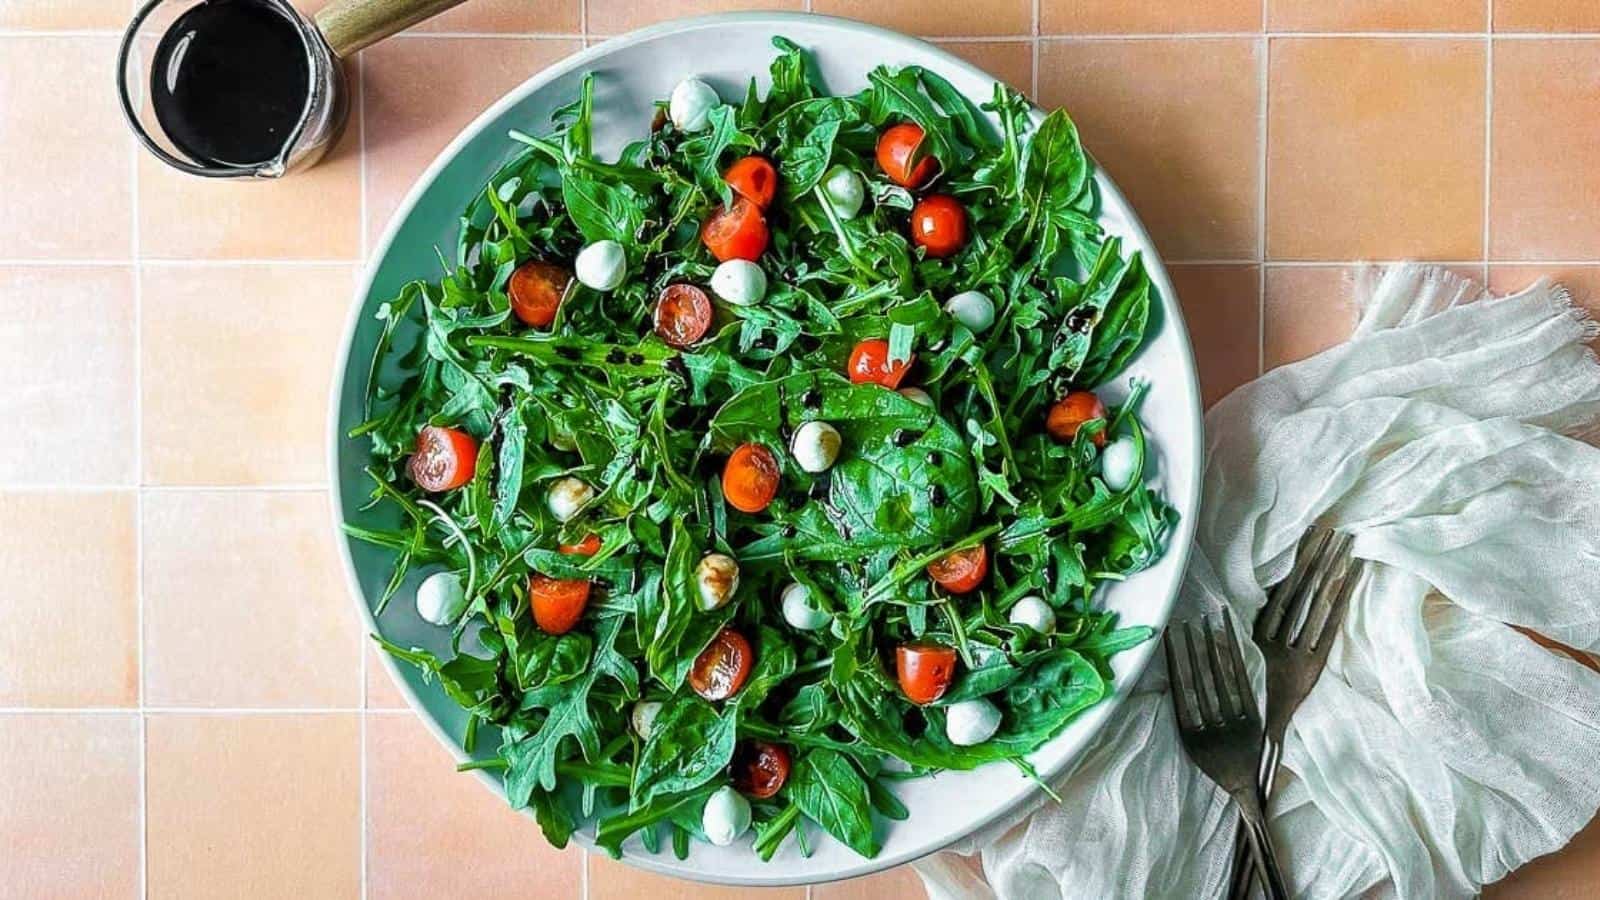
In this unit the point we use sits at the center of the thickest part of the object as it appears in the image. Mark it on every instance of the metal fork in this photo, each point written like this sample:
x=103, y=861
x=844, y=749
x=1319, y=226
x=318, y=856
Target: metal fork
x=1294, y=632
x=1220, y=728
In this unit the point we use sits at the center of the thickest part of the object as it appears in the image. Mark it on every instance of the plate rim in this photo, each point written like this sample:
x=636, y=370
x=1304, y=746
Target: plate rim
x=1180, y=545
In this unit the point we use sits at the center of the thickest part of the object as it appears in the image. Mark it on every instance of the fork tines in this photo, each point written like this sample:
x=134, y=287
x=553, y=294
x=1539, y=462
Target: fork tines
x=1300, y=607
x=1212, y=690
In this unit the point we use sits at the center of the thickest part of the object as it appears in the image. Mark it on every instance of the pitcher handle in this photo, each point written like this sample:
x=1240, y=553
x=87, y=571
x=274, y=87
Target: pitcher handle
x=350, y=25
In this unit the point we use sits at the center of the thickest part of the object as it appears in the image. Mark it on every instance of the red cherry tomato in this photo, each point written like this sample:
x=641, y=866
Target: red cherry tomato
x=589, y=546
x=444, y=460
x=536, y=289
x=737, y=233
x=869, y=364
x=939, y=225
x=754, y=179
x=683, y=314
x=1070, y=412
x=961, y=571
x=899, y=156
x=557, y=603
x=924, y=669
x=759, y=769
x=721, y=669
x=750, y=478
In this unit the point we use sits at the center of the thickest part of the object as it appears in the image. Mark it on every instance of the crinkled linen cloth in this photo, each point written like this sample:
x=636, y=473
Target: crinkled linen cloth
x=1442, y=747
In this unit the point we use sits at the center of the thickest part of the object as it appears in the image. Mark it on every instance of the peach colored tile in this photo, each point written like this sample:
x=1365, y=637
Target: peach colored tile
x=616, y=16
x=67, y=363
x=236, y=365
x=265, y=805
x=1567, y=874
x=1582, y=280
x=509, y=16
x=65, y=171
x=68, y=620
x=1221, y=305
x=382, y=693
x=1147, y=16
x=937, y=18
x=69, y=806
x=1375, y=148
x=1545, y=169
x=612, y=880
x=310, y=214
x=1546, y=15
x=424, y=819
x=1306, y=310
x=413, y=110
x=900, y=883
x=1009, y=61
x=1376, y=15
x=1174, y=122
x=244, y=602
x=54, y=15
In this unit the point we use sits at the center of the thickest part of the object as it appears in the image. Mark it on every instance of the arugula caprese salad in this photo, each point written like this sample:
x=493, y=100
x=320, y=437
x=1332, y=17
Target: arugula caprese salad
x=762, y=467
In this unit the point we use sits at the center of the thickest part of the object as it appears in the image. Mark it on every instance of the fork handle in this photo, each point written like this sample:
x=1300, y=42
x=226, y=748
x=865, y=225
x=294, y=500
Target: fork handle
x=1260, y=841
x=1243, y=868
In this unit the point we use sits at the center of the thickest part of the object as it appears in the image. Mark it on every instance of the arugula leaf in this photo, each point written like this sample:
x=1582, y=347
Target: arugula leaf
x=831, y=793
x=690, y=744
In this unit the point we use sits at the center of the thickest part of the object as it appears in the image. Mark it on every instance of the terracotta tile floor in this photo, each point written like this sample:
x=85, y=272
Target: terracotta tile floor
x=1269, y=143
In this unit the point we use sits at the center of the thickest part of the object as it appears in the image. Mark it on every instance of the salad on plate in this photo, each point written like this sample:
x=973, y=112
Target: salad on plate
x=762, y=467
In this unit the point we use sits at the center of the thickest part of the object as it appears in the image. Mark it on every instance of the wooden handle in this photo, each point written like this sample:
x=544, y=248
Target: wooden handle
x=349, y=25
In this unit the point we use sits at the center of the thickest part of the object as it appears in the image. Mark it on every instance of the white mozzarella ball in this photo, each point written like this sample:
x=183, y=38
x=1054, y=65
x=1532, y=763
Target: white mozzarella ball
x=740, y=282
x=917, y=395
x=844, y=191
x=567, y=496
x=815, y=446
x=601, y=265
x=644, y=717
x=691, y=105
x=1034, y=613
x=1117, y=463
x=799, y=611
x=972, y=309
x=726, y=816
x=971, y=722
x=716, y=578
x=441, y=599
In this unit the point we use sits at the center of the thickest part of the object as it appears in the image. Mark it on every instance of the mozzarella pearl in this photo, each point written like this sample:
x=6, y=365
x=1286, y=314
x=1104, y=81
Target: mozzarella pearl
x=726, y=816
x=716, y=577
x=971, y=722
x=799, y=611
x=440, y=598
x=972, y=309
x=567, y=496
x=644, y=717
x=1118, y=462
x=815, y=446
x=691, y=105
x=917, y=395
x=740, y=282
x=1034, y=613
x=844, y=191
x=601, y=265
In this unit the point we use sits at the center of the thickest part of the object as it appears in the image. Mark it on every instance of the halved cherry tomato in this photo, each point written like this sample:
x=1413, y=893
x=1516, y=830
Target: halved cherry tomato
x=589, y=546
x=900, y=158
x=721, y=669
x=737, y=233
x=961, y=571
x=536, y=290
x=1070, y=412
x=924, y=669
x=754, y=179
x=750, y=478
x=444, y=460
x=759, y=769
x=869, y=364
x=683, y=314
x=939, y=225
x=557, y=603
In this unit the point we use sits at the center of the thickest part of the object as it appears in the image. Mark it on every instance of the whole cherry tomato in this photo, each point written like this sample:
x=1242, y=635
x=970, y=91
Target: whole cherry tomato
x=759, y=769
x=961, y=571
x=557, y=603
x=939, y=225
x=754, y=179
x=589, y=546
x=444, y=460
x=750, y=478
x=683, y=314
x=721, y=669
x=736, y=233
x=869, y=364
x=900, y=157
x=924, y=670
x=1070, y=412
x=536, y=289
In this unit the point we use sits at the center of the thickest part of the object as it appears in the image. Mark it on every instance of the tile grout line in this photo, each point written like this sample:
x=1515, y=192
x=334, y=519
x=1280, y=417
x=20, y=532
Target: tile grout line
x=137, y=273
x=1033, y=48
x=1488, y=129
x=1264, y=73
x=361, y=650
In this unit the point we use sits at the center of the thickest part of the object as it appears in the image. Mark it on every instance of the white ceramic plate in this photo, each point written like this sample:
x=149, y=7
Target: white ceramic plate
x=632, y=72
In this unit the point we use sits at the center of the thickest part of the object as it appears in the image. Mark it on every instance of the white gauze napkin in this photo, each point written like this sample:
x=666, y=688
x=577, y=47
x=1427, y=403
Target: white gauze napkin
x=1442, y=748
